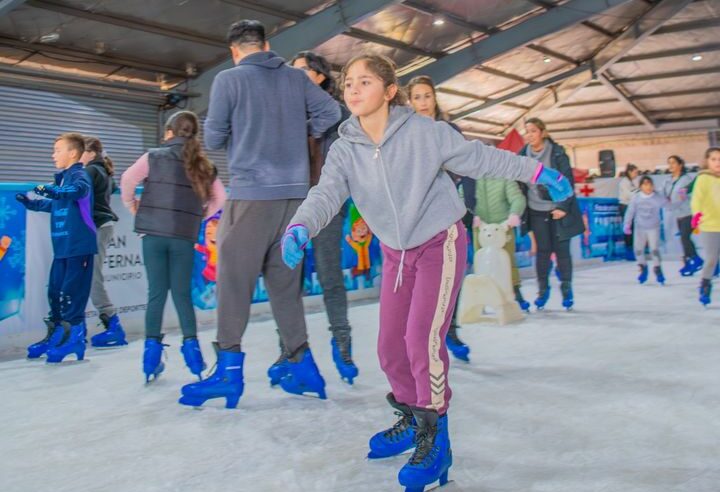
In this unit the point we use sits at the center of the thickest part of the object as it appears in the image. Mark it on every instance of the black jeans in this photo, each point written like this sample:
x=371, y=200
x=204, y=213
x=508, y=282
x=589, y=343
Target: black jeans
x=545, y=229
x=685, y=236
x=628, y=237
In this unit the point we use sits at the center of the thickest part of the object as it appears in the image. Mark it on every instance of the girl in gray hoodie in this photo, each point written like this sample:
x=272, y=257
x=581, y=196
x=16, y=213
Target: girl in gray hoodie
x=645, y=210
x=393, y=162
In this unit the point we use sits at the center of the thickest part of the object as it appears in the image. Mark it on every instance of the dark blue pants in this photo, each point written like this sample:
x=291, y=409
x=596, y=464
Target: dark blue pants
x=69, y=288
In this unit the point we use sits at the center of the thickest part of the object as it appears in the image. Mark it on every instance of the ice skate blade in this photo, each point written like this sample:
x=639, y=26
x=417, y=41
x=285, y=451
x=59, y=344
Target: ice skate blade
x=318, y=395
x=109, y=346
x=80, y=357
x=67, y=362
x=443, y=482
x=231, y=401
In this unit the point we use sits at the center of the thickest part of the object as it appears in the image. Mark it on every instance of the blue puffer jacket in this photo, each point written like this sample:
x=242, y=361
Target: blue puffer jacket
x=71, y=223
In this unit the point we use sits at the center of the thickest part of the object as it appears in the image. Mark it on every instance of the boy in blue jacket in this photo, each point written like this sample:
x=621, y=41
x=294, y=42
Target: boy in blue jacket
x=69, y=201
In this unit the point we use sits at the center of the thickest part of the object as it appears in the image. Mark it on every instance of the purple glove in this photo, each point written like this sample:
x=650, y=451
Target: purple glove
x=627, y=230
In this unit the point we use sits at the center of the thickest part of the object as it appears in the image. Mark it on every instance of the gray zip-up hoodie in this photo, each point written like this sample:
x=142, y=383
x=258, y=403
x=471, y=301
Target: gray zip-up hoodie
x=401, y=186
x=676, y=190
x=260, y=111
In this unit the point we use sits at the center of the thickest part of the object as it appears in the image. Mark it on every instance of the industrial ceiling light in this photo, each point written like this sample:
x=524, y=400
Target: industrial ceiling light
x=50, y=37
x=696, y=58
x=438, y=20
x=547, y=59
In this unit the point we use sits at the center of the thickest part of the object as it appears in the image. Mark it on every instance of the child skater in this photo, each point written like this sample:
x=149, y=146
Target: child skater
x=644, y=209
x=706, y=217
x=100, y=168
x=69, y=200
x=181, y=188
x=393, y=162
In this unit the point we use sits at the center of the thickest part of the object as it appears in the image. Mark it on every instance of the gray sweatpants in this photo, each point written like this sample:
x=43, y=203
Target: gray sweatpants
x=249, y=237
x=328, y=258
x=711, y=251
x=98, y=294
x=649, y=238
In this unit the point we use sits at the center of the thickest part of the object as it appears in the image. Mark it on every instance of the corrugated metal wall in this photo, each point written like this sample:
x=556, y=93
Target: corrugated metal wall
x=30, y=120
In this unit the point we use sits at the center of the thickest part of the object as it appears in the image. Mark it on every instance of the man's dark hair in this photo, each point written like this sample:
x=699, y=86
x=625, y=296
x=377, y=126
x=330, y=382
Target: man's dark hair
x=247, y=32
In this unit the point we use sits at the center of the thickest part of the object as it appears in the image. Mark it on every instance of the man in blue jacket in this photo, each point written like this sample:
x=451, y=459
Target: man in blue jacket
x=69, y=201
x=261, y=111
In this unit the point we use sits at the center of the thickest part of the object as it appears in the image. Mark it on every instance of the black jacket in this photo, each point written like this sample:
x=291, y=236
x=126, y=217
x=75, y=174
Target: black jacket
x=103, y=188
x=572, y=224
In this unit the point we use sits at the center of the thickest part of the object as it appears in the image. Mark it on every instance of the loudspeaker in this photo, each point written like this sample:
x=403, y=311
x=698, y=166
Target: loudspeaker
x=607, y=163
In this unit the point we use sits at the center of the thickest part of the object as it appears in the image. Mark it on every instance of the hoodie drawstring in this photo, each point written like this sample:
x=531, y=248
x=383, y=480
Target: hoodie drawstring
x=398, y=279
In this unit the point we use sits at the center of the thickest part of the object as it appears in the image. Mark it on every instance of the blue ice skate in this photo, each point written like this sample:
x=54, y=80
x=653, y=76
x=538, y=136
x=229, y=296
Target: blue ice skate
x=113, y=336
x=53, y=338
x=304, y=377
x=659, y=275
x=226, y=382
x=524, y=305
x=457, y=347
x=73, y=342
x=542, y=298
x=153, y=365
x=705, y=291
x=342, y=357
x=642, y=278
x=398, y=438
x=567, y=295
x=692, y=266
x=432, y=458
x=193, y=357
x=278, y=370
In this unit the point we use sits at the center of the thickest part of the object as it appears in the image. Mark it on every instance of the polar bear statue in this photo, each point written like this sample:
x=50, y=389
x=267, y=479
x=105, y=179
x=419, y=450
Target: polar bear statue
x=490, y=284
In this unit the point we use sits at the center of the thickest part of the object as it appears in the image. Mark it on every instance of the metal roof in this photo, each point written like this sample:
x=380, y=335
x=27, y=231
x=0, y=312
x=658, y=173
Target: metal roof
x=579, y=64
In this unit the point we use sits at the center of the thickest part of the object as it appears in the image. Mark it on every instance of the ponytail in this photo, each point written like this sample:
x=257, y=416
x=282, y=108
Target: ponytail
x=198, y=168
x=94, y=145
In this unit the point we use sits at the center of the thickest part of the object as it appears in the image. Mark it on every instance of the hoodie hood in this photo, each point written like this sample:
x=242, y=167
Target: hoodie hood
x=265, y=59
x=352, y=131
x=708, y=172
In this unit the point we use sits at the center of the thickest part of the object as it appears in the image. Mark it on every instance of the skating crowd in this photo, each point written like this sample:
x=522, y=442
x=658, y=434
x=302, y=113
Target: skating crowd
x=402, y=163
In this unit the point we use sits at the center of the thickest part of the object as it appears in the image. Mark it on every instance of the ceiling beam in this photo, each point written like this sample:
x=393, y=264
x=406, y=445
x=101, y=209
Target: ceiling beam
x=587, y=23
x=128, y=23
x=6, y=6
x=261, y=8
x=687, y=124
x=521, y=92
x=475, y=97
x=639, y=30
x=306, y=34
x=643, y=97
x=694, y=25
x=690, y=50
x=39, y=48
x=485, y=122
x=625, y=100
x=474, y=27
x=504, y=75
x=118, y=88
x=520, y=35
x=668, y=75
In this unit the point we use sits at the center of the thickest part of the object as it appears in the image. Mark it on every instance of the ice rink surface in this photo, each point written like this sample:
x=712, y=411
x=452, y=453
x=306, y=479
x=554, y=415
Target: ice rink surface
x=620, y=395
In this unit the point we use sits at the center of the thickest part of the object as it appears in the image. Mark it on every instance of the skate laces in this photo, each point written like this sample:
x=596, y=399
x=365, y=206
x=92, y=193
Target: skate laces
x=425, y=447
x=400, y=427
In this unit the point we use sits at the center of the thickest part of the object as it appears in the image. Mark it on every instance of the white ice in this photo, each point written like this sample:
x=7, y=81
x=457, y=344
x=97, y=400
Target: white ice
x=621, y=394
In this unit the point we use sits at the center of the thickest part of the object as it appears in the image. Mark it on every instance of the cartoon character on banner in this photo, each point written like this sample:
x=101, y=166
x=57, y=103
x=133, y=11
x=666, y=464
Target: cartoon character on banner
x=205, y=267
x=359, y=239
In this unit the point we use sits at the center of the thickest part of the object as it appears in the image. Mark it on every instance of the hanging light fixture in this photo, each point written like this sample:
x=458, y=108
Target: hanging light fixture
x=547, y=59
x=696, y=58
x=438, y=20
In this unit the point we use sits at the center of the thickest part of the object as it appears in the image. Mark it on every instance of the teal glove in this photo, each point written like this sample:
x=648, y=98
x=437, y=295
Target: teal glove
x=293, y=243
x=557, y=185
